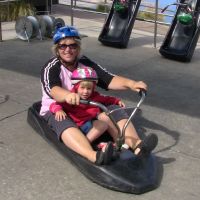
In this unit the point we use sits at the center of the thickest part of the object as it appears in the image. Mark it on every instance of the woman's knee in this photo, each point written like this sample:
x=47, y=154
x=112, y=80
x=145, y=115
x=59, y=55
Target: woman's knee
x=69, y=133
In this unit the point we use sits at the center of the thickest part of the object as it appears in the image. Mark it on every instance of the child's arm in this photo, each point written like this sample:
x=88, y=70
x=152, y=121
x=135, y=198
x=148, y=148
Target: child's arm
x=58, y=111
x=54, y=107
x=121, y=104
x=60, y=115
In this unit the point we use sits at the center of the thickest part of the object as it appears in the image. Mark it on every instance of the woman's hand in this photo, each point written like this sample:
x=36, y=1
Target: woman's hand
x=72, y=99
x=138, y=85
x=60, y=115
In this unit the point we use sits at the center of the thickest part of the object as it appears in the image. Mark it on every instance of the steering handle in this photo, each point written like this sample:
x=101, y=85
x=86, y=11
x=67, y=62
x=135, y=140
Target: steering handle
x=142, y=93
x=104, y=108
x=121, y=133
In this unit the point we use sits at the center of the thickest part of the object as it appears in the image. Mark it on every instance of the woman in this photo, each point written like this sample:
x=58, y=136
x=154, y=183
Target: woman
x=56, y=86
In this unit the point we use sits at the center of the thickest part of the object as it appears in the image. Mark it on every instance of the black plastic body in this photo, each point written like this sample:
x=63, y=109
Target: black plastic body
x=118, y=26
x=180, y=40
x=126, y=174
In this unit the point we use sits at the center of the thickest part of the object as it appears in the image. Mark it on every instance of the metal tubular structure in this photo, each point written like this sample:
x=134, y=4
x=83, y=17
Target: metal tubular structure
x=155, y=22
x=121, y=134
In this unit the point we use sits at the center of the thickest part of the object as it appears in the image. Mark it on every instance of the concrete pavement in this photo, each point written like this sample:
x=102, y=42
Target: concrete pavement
x=32, y=170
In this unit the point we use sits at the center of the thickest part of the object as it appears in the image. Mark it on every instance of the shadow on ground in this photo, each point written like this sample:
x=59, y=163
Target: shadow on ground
x=172, y=85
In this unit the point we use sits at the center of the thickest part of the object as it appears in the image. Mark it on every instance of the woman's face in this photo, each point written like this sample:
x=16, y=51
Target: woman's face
x=68, y=50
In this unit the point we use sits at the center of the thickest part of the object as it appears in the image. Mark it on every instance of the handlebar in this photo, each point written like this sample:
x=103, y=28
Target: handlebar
x=93, y=103
x=121, y=133
x=104, y=108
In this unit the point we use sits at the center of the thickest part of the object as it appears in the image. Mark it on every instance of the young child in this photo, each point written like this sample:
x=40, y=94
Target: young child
x=85, y=116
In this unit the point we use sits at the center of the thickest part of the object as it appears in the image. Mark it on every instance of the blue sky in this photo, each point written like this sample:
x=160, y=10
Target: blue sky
x=162, y=4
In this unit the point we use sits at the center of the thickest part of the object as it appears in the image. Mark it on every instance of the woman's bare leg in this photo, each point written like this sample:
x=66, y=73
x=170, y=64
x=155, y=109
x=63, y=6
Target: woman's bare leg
x=131, y=137
x=75, y=140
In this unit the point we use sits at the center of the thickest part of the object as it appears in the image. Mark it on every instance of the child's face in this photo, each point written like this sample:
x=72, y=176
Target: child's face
x=85, y=90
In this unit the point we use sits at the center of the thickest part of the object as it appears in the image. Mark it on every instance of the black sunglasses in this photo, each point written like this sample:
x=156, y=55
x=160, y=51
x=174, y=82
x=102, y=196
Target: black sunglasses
x=71, y=46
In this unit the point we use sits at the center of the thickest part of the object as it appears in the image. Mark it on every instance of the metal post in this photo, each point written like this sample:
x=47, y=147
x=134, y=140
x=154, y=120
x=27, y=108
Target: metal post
x=155, y=23
x=0, y=31
x=26, y=35
x=72, y=14
x=105, y=8
x=50, y=6
x=47, y=6
x=9, y=10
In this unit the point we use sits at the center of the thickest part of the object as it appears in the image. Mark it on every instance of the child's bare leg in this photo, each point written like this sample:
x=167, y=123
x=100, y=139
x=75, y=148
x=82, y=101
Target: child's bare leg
x=99, y=127
x=111, y=127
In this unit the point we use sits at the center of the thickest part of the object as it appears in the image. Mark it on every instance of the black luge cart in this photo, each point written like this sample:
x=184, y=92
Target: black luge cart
x=119, y=24
x=181, y=39
x=127, y=173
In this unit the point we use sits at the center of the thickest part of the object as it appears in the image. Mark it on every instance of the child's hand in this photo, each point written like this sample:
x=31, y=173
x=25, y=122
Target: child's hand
x=60, y=115
x=121, y=104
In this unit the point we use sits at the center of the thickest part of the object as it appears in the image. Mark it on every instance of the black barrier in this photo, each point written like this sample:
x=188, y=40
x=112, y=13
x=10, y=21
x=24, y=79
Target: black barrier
x=182, y=37
x=119, y=24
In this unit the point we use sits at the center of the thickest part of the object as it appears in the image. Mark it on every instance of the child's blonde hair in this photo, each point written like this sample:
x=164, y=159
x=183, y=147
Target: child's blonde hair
x=87, y=83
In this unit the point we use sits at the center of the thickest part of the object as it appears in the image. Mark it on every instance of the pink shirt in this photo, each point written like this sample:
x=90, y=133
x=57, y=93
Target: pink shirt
x=65, y=77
